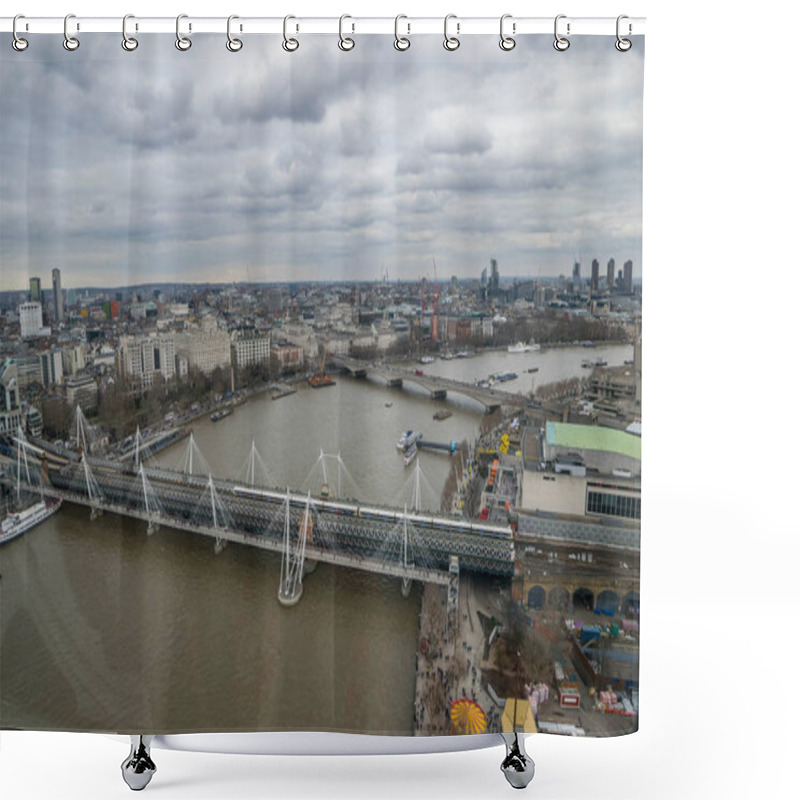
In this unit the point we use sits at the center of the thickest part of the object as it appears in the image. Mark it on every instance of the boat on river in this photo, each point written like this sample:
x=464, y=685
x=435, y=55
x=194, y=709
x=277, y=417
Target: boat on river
x=408, y=439
x=19, y=522
x=410, y=455
x=521, y=347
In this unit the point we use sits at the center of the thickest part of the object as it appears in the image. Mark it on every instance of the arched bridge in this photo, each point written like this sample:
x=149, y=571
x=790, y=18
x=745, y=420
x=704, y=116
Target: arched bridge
x=439, y=387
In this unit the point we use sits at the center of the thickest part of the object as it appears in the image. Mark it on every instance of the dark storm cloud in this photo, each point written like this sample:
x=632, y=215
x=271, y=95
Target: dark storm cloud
x=318, y=163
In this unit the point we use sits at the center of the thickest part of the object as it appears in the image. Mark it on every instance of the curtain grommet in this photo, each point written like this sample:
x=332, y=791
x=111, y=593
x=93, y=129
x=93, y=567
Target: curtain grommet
x=183, y=43
x=561, y=43
x=623, y=45
x=290, y=44
x=17, y=42
x=129, y=43
x=70, y=43
x=233, y=44
x=346, y=43
x=507, y=43
x=451, y=43
x=401, y=43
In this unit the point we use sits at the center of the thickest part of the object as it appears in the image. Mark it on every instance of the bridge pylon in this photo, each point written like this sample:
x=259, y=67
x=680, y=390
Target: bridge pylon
x=293, y=558
x=152, y=505
x=93, y=491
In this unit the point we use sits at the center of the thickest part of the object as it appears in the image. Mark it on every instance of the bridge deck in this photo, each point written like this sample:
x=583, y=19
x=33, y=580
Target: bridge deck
x=433, y=383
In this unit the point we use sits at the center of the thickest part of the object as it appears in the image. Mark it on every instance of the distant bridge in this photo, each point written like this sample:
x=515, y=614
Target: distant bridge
x=437, y=386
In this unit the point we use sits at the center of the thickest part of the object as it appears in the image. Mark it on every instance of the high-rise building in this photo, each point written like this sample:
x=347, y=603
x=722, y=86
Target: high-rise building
x=610, y=273
x=576, y=276
x=628, y=277
x=30, y=320
x=595, y=274
x=35, y=294
x=494, y=280
x=58, y=299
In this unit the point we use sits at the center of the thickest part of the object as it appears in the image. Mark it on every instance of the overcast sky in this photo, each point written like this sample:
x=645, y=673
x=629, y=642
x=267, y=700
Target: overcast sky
x=157, y=165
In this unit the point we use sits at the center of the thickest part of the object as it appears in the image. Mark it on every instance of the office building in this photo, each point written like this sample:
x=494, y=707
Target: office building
x=610, y=273
x=35, y=292
x=58, y=299
x=30, y=320
x=627, y=279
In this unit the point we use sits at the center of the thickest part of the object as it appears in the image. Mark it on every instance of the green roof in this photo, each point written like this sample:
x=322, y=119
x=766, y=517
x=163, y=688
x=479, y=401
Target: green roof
x=594, y=437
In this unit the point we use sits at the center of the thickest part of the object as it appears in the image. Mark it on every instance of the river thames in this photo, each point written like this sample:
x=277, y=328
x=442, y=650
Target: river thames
x=105, y=628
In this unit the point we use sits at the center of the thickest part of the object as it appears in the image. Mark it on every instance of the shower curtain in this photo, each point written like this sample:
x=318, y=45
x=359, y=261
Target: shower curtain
x=320, y=384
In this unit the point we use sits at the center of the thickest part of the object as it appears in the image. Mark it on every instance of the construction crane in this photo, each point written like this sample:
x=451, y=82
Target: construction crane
x=320, y=379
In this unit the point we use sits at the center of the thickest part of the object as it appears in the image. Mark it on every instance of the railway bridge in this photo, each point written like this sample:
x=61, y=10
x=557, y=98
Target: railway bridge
x=410, y=545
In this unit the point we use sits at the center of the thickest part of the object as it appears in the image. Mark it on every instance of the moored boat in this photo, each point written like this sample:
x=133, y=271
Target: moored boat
x=408, y=438
x=409, y=455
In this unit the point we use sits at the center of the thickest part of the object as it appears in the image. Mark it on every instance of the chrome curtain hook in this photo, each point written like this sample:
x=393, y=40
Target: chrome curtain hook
x=345, y=42
x=451, y=42
x=401, y=42
x=181, y=42
x=233, y=44
x=289, y=45
x=18, y=43
x=561, y=43
x=70, y=42
x=623, y=45
x=128, y=42
x=507, y=42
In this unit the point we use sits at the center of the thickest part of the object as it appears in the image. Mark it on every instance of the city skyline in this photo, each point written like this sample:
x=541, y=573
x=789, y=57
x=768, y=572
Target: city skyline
x=332, y=178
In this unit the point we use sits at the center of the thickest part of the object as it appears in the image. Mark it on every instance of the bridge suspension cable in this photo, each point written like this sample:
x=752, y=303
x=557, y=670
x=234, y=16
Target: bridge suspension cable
x=93, y=490
x=152, y=505
x=194, y=459
x=293, y=557
x=254, y=471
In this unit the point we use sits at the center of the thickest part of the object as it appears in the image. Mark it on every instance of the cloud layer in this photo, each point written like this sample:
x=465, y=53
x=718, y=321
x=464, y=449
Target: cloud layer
x=157, y=165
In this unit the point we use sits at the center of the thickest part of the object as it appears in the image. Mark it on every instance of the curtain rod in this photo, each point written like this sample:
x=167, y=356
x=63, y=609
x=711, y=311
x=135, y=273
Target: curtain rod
x=461, y=26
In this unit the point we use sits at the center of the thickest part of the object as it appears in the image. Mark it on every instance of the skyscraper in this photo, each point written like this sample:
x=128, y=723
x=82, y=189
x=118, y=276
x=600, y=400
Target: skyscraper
x=576, y=277
x=627, y=280
x=595, y=274
x=610, y=273
x=494, y=280
x=35, y=294
x=58, y=300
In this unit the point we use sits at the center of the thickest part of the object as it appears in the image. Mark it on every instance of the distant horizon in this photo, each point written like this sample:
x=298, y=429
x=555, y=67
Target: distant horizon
x=637, y=279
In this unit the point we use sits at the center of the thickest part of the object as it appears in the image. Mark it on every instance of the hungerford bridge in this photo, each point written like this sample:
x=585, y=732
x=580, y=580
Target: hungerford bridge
x=408, y=544
x=490, y=398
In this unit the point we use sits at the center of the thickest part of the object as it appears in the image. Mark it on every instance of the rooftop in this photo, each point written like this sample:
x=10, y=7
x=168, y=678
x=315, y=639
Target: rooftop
x=594, y=437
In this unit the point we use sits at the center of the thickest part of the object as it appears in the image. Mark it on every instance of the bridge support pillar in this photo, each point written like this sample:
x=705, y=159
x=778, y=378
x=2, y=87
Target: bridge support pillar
x=289, y=597
x=405, y=587
x=396, y=383
x=439, y=394
x=491, y=409
x=360, y=373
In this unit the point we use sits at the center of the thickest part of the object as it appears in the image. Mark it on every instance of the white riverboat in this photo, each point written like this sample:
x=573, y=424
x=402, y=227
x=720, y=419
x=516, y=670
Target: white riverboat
x=521, y=347
x=18, y=522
